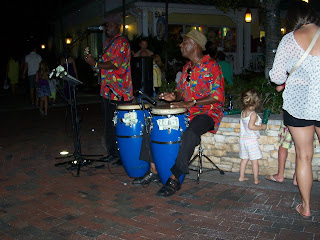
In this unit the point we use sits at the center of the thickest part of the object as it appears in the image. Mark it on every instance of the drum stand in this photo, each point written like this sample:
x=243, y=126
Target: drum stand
x=78, y=158
x=199, y=168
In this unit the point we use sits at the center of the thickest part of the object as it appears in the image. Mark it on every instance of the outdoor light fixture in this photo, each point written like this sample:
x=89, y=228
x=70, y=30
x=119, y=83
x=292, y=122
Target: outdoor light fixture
x=43, y=46
x=248, y=16
x=68, y=39
x=283, y=30
x=307, y=1
x=64, y=153
x=126, y=26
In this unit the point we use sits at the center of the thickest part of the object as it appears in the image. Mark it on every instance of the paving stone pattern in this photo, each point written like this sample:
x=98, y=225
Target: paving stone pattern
x=41, y=201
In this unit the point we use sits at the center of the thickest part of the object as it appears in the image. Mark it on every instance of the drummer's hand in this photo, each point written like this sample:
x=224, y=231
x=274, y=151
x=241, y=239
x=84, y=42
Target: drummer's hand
x=181, y=104
x=167, y=96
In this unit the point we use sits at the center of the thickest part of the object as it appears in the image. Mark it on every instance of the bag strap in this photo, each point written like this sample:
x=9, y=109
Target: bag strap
x=315, y=38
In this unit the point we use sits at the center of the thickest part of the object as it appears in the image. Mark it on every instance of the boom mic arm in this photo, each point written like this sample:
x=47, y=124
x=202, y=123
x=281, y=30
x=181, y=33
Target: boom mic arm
x=98, y=28
x=146, y=97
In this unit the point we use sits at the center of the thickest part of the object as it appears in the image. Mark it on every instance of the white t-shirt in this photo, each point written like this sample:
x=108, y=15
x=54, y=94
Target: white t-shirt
x=33, y=59
x=301, y=96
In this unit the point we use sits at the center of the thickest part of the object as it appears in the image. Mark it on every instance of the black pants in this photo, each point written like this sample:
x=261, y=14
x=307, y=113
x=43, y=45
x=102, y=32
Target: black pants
x=199, y=125
x=109, y=107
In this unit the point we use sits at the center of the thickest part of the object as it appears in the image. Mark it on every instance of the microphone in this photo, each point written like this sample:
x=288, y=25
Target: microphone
x=98, y=28
x=114, y=92
x=149, y=99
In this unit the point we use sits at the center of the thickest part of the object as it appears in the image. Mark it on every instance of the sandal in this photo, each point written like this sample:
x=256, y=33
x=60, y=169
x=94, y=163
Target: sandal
x=298, y=209
x=169, y=189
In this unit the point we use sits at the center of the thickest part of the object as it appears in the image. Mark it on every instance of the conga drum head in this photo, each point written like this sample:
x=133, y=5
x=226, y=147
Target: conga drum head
x=167, y=110
x=131, y=106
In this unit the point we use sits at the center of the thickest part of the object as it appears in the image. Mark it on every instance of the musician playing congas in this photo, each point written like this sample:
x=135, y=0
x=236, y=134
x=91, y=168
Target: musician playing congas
x=200, y=90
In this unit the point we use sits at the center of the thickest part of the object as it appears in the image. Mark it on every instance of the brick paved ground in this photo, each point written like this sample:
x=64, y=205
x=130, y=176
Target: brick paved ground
x=41, y=201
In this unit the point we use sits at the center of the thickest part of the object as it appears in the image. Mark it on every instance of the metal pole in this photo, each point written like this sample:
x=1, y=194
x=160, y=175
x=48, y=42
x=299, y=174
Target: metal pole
x=124, y=17
x=166, y=33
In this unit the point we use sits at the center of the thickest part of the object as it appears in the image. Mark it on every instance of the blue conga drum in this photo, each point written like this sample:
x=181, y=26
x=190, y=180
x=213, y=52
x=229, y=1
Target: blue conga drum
x=129, y=123
x=168, y=124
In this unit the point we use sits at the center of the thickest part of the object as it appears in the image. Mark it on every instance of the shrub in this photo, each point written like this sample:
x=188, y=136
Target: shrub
x=270, y=98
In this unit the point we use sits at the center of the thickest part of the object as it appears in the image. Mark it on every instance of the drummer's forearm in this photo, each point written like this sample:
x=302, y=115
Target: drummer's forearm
x=206, y=101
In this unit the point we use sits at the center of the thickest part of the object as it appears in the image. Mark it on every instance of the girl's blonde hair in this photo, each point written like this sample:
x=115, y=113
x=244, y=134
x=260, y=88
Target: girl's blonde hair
x=250, y=98
x=44, y=70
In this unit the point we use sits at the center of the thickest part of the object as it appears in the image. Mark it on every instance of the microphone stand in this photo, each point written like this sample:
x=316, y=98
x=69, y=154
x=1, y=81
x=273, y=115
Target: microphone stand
x=114, y=92
x=147, y=119
x=79, y=159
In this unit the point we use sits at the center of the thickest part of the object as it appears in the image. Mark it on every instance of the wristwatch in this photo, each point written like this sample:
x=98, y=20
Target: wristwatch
x=194, y=102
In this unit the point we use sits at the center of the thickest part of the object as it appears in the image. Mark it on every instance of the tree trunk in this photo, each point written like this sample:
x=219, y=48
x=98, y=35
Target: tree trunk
x=272, y=27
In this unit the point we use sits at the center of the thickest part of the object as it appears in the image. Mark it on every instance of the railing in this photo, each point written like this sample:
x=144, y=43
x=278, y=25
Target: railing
x=231, y=57
x=257, y=62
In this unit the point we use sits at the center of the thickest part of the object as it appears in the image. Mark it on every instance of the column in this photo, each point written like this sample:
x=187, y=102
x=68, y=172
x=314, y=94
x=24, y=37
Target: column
x=145, y=22
x=247, y=45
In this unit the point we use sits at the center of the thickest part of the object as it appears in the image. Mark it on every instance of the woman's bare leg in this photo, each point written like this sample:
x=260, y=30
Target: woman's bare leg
x=303, y=140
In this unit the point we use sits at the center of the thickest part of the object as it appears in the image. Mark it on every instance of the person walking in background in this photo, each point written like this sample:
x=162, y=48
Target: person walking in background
x=32, y=61
x=285, y=142
x=42, y=82
x=210, y=49
x=53, y=90
x=225, y=67
x=116, y=82
x=250, y=125
x=12, y=72
x=301, y=99
x=144, y=51
x=158, y=68
x=69, y=65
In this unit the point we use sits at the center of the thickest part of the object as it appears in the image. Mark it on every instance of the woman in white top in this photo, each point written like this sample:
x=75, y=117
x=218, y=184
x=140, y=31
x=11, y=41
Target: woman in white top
x=301, y=98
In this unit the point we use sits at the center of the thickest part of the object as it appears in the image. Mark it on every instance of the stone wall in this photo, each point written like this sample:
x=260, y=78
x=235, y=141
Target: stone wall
x=223, y=149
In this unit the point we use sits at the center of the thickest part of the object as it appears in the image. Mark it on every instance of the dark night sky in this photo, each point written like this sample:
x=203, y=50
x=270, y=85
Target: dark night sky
x=32, y=18
x=28, y=20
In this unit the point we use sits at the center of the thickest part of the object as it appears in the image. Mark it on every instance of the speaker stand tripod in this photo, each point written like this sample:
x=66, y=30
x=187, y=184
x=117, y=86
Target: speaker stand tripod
x=200, y=169
x=78, y=159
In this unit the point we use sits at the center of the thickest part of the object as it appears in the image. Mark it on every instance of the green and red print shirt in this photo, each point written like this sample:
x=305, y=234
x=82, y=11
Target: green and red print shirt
x=206, y=79
x=117, y=51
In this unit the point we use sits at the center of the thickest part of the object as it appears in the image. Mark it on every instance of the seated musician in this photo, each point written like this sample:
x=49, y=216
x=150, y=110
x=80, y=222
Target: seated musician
x=201, y=91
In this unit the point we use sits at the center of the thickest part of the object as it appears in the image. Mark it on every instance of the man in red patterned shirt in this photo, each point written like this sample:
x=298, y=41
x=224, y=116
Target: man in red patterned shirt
x=201, y=91
x=116, y=82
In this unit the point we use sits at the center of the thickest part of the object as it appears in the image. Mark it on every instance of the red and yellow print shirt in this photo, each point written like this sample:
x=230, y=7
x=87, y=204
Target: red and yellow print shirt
x=119, y=54
x=206, y=79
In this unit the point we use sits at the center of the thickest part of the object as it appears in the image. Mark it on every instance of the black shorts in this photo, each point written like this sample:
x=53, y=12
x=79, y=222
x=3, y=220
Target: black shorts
x=289, y=120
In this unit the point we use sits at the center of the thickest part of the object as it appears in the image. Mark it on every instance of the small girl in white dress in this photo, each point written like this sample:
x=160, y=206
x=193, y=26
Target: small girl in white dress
x=250, y=124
